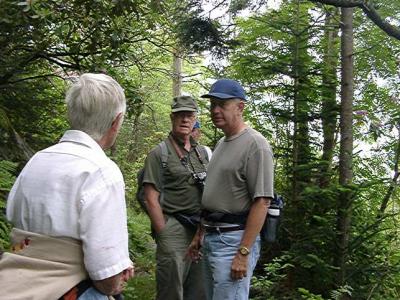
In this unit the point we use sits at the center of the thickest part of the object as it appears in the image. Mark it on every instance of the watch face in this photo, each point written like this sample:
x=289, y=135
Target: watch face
x=244, y=251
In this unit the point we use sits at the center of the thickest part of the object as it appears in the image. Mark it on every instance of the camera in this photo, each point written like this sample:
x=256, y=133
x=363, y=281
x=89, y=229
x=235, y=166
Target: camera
x=199, y=179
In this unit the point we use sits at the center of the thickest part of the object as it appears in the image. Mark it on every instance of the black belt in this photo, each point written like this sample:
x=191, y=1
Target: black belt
x=220, y=229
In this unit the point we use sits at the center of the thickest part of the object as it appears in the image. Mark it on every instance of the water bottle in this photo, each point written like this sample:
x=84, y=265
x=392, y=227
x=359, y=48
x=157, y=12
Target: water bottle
x=271, y=225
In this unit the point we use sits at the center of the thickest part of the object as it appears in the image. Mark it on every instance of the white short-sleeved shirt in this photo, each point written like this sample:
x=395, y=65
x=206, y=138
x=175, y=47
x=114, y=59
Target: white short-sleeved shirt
x=72, y=189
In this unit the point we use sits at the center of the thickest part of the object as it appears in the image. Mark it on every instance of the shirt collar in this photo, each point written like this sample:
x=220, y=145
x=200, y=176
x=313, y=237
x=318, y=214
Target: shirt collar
x=193, y=143
x=231, y=138
x=80, y=137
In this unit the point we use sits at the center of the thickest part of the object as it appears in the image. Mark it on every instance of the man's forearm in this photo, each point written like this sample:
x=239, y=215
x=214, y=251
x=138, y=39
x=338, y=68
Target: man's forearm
x=154, y=208
x=255, y=221
x=156, y=215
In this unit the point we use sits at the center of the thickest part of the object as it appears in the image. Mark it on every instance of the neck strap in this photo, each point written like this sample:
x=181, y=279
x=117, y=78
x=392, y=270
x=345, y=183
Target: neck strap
x=180, y=154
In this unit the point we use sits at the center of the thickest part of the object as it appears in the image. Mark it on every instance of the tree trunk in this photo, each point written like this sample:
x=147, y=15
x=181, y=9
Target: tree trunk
x=344, y=209
x=330, y=108
x=177, y=74
x=301, y=90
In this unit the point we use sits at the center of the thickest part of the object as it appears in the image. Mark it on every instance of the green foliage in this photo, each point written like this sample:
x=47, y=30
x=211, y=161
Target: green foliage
x=200, y=34
x=305, y=294
x=141, y=287
x=141, y=245
x=276, y=48
x=75, y=35
x=7, y=170
x=141, y=250
x=37, y=117
x=342, y=292
x=268, y=285
x=43, y=43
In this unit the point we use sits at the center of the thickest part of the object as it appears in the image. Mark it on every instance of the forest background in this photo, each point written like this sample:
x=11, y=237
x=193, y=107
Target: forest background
x=323, y=79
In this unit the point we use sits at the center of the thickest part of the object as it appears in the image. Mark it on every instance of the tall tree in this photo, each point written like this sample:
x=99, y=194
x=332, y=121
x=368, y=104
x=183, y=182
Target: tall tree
x=301, y=104
x=329, y=109
x=344, y=211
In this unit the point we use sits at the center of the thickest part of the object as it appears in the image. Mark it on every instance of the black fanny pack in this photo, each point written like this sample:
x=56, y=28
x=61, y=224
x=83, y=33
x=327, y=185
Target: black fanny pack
x=221, y=217
x=188, y=221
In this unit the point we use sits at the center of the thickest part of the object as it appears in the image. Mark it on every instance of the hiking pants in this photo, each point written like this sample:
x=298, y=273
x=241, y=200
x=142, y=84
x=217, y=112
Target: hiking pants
x=177, y=277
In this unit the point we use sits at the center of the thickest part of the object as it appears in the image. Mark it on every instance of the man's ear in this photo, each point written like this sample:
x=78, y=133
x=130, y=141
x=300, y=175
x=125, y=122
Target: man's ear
x=241, y=106
x=115, y=125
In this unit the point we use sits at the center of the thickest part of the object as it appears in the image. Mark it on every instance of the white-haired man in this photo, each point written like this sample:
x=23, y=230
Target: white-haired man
x=70, y=238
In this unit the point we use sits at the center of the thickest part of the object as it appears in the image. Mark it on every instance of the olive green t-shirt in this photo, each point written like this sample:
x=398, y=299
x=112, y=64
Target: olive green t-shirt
x=181, y=194
x=241, y=169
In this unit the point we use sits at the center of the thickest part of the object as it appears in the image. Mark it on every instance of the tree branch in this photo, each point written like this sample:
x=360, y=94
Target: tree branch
x=36, y=77
x=369, y=9
x=394, y=182
x=341, y=3
x=371, y=12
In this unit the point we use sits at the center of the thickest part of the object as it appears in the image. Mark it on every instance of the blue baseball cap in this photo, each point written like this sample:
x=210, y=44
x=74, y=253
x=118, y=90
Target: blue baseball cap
x=224, y=89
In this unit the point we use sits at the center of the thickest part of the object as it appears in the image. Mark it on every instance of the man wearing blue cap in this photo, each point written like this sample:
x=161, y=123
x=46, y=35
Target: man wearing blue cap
x=196, y=134
x=236, y=197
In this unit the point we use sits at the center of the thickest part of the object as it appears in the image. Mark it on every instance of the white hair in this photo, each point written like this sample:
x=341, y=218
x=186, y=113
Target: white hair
x=94, y=102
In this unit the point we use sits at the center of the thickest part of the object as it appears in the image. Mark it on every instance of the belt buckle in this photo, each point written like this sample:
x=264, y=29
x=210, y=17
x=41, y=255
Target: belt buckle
x=211, y=228
x=220, y=229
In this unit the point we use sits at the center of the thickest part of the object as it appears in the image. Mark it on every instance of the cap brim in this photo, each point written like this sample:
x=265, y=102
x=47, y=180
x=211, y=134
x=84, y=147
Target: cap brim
x=183, y=109
x=220, y=96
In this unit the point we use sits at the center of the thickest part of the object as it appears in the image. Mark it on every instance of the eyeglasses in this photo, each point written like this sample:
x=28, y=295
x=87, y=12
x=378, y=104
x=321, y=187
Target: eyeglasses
x=215, y=104
x=221, y=103
x=185, y=114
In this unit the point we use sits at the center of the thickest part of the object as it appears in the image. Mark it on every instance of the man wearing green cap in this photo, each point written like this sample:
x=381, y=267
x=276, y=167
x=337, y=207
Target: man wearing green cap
x=173, y=193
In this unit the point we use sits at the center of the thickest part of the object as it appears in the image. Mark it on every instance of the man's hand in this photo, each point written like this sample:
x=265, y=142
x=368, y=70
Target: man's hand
x=239, y=266
x=128, y=273
x=116, y=284
x=154, y=209
x=193, y=252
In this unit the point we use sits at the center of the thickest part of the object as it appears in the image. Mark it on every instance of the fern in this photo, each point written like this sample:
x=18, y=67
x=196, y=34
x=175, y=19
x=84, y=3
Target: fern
x=7, y=178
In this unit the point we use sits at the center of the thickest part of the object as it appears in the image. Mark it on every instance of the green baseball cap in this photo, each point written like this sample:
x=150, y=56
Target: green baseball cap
x=183, y=103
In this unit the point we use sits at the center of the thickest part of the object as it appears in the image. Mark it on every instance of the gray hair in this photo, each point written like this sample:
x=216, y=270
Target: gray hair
x=94, y=102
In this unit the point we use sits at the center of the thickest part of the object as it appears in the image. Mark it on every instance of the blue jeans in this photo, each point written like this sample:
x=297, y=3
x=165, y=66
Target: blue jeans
x=219, y=249
x=92, y=294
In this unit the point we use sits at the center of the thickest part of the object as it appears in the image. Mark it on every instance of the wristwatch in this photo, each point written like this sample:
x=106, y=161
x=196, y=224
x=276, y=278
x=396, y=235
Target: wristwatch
x=244, y=250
